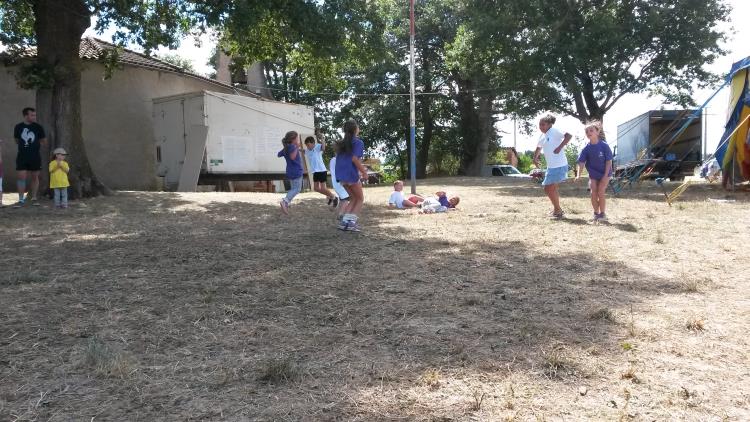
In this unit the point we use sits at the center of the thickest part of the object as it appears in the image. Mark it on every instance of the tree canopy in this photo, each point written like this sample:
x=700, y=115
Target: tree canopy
x=477, y=60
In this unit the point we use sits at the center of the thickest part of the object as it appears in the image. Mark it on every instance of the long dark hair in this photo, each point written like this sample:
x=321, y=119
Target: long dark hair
x=288, y=138
x=350, y=131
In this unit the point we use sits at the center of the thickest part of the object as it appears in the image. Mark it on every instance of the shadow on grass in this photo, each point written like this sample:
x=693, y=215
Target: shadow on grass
x=198, y=298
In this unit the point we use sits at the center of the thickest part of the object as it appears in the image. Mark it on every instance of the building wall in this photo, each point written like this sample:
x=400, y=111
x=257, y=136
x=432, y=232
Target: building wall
x=117, y=121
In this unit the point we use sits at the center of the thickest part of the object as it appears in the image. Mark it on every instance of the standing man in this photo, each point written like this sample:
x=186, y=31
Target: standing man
x=553, y=142
x=30, y=137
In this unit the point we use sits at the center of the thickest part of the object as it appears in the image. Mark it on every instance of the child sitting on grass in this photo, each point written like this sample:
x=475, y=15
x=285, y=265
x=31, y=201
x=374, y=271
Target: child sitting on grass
x=399, y=201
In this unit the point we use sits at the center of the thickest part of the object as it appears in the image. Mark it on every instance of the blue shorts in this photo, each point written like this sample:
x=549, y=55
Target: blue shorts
x=555, y=175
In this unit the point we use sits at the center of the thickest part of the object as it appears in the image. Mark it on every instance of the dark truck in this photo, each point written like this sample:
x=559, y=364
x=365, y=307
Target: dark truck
x=646, y=144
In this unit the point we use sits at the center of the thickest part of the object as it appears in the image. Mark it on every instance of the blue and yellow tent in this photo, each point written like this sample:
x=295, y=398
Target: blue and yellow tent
x=734, y=151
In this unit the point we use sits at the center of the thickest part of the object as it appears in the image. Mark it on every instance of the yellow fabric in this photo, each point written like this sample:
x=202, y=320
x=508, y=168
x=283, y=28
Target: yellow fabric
x=736, y=89
x=736, y=148
x=57, y=177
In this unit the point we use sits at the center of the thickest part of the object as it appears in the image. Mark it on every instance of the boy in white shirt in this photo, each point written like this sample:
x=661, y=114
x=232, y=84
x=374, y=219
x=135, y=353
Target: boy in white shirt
x=314, y=153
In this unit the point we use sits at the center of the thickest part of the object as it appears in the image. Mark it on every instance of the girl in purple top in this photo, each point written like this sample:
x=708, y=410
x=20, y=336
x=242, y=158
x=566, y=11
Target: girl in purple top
x=349, y=172
x=291, y=154
x=597, y=156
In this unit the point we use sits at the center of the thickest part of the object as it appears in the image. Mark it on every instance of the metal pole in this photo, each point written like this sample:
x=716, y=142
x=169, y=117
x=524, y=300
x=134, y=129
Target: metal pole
x=705, y=134
x=514, y=134
x=412, y=118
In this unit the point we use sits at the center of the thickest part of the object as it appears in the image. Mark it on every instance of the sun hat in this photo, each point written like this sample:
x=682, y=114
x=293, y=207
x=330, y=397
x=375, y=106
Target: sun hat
x=59, y=151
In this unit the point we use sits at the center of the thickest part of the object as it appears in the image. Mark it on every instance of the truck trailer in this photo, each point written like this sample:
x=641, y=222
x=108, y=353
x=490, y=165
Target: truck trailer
x=651, y=142
x=207, y=137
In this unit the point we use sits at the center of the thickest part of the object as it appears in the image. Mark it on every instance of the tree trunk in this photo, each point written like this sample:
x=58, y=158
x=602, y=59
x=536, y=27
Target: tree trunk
x=59, y=28
x=423, y=154
x=469, y=126
x=425, y=101
x=477, y=128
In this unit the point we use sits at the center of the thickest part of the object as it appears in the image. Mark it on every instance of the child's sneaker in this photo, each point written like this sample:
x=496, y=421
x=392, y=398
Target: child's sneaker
x=602, y=217
x=34, y=202
x=19, y=204
x=343, y=225
x=284, y=206
x=353, y=227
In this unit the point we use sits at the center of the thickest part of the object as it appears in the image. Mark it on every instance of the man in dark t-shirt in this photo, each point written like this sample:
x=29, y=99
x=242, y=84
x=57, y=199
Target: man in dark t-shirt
x=30, y=138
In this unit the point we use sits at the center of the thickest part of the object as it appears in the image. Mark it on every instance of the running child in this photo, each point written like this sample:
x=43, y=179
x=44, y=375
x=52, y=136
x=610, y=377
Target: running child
x=293, y=158
x=349, y=172
x=597, y=157
x=58, y=178
x=314, y=152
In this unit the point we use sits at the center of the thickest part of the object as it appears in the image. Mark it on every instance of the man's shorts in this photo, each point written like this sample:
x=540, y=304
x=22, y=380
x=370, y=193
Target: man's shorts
x=28, y=162
x=555, y=175
x=320, y=176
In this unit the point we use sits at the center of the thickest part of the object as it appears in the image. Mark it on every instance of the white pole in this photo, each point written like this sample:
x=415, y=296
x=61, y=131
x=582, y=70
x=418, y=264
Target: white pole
x=412, y=118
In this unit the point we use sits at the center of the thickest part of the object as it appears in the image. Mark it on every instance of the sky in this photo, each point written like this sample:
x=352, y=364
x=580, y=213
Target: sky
x=628, y=107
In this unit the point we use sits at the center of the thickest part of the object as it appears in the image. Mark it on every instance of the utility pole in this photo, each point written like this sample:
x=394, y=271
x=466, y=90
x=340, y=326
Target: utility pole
x=412, y=118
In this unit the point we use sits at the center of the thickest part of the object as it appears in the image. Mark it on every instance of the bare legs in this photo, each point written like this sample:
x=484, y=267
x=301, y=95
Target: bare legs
x=553, y=193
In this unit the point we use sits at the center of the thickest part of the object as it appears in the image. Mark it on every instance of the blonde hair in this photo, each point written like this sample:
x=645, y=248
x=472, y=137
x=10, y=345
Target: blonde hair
x=596, y=124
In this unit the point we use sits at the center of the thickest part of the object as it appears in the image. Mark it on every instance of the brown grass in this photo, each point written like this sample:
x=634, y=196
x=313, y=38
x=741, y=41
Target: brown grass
x=212, y=306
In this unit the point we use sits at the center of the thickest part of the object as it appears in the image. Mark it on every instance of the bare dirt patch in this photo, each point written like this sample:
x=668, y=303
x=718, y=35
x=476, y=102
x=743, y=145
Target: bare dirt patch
x=212, y=306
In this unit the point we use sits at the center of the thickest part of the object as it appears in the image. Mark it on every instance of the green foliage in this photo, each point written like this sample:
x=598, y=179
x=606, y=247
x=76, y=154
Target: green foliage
x=572, y=151
x=581, y=58
x=175, y=59
x=16, y=24
x=525, y=162
x=33, y=75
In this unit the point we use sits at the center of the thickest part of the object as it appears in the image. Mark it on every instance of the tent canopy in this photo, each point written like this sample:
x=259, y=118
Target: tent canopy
x=735, y=151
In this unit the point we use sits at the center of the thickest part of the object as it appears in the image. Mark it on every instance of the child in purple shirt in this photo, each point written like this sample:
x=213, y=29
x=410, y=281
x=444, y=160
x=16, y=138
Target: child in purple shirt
x=597, y=157
x=349, y=172
x=293, y=158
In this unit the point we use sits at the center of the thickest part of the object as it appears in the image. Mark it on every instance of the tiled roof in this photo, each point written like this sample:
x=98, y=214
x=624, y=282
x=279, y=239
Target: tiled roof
x=94, y=48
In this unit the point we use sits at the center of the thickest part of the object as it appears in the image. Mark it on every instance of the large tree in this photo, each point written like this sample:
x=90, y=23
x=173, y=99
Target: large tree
x=581, y=57
x=55, y=28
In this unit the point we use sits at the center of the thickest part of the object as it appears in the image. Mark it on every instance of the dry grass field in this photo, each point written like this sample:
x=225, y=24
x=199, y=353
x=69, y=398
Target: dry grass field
x=214, y=306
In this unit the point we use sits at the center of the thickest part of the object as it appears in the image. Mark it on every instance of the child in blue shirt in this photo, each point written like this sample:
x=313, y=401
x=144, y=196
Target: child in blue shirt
x=349, y=172
x=597, y=156
x=291, y=154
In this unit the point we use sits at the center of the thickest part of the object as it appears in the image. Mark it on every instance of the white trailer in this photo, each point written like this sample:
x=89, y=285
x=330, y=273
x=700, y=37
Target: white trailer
x=213, y=136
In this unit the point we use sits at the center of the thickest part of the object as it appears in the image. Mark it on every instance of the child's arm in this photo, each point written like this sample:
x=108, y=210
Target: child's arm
x=566, y=139
x=293, y=155
x=321, y=139
x=64, y=167
x=579, y=172
x=607, y=168
x=360, y=166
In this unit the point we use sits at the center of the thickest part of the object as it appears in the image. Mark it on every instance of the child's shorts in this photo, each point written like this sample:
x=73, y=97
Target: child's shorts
x=320, y=176
x=555, y=175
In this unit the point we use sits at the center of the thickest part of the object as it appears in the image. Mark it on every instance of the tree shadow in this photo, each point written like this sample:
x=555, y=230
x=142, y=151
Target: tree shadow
x=202, y=298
